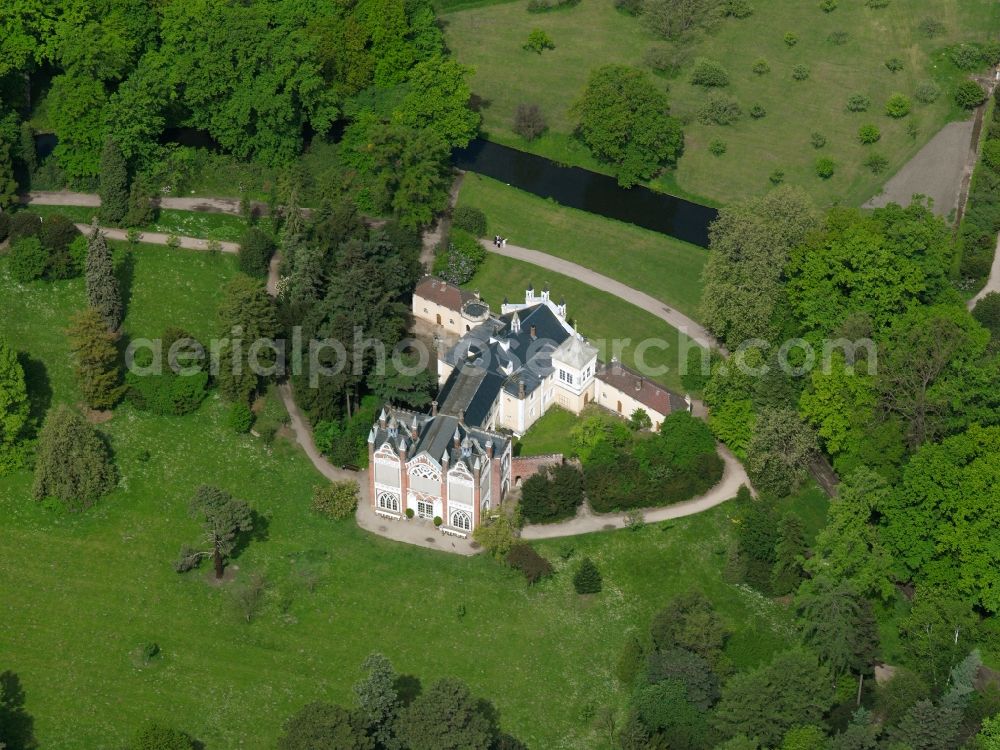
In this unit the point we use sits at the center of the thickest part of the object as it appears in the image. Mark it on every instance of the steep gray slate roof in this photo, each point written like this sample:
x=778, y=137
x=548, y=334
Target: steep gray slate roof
x=436, y=435
x=484, y=366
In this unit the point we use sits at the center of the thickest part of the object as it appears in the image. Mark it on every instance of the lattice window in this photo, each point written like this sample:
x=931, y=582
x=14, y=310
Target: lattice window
x=424, y=472
x=424, y=509
x=388, y=501
x=461, y=520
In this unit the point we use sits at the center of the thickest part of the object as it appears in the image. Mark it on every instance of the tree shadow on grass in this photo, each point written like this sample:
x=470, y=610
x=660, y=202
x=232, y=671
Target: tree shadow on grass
x=259, y=533
x=407, y=687
x=125, y=273
x=36, y=378
x=17, y=727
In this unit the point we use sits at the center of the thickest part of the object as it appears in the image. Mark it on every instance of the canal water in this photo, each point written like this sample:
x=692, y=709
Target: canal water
x=589, y=191
x=568, y=186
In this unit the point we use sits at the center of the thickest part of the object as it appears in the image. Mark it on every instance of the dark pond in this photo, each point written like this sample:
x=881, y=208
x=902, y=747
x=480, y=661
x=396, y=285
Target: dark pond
x=589, y=191
x=45, y=143
x=190, y=137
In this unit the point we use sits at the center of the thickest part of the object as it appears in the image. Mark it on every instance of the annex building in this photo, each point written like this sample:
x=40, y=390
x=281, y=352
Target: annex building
x=503, y=374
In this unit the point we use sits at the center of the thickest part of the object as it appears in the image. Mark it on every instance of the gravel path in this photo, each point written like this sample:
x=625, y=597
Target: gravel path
x=993, y=282
x=587, y=521
x=91, y=200
x=422, y=534
x=936, y=171
x=678, y=320
x=158, y=238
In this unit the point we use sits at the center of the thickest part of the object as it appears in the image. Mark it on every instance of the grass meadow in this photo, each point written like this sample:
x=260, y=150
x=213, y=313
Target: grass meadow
x=490, y=39
x=84, y=591
x=202, y=224
x=661, y=266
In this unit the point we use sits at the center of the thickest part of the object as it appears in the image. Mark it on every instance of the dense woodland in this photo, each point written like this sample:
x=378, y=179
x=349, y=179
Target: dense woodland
x=258, y=78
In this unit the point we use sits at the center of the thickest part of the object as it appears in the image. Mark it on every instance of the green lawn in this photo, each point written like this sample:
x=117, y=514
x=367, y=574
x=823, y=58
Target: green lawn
x=604, y=319
x=201, y=224
x=550, y=434
x=85, y=590
x=593, y=33
x=159, y=286
x=661, y=266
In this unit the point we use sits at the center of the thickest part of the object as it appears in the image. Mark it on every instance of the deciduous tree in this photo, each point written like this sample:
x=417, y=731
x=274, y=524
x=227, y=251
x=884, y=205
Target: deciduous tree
x=850, y=547
x=322, y=725
x=114, y=183
x=447, y=717
x=378, y=700
x=749, y=248
x=623, y=119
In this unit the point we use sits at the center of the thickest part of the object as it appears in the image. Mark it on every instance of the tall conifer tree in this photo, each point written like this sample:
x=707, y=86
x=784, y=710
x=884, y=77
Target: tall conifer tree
x=95, y=360
x=103, y=293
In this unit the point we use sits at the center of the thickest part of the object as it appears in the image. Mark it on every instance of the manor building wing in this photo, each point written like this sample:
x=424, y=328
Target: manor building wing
x=436, y=466
x=501, y=376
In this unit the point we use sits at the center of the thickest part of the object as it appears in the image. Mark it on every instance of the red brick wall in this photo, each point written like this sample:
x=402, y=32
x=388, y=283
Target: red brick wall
x=522, y=467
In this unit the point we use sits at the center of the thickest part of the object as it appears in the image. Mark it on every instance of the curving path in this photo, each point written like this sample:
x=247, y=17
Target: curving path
x=993, y=282
x=650, y=304
x=421, y=534
x=586, y=521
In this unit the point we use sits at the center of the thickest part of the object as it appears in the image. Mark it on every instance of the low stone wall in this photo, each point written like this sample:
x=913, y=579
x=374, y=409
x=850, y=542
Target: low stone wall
x=523, y=467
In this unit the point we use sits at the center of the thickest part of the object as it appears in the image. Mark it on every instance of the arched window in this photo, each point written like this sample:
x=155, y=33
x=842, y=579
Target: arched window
x=388, y=501
x=461, y=520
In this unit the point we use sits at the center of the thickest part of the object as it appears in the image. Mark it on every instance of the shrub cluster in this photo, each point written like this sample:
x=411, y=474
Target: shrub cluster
x=927, y=93
x=42, y=247
x=552, y=494
x=720, y=109
x=637, y=470
x=858, y=103
x=869, y=134
x=168, y=393
x=825, y=168
x=529, y=123
x=969, y=95
x=973, y=56
x=981, y=222
x=523, y=557
x=338, y=500
x=469, y=219
x=898, y=105
x=256, y=249
x=462, y=259
x=542, y=6
x=709, y=73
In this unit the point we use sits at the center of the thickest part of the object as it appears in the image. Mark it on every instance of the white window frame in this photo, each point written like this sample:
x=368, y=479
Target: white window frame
x=388, y=501
x=460, y=519
x=425, y=509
